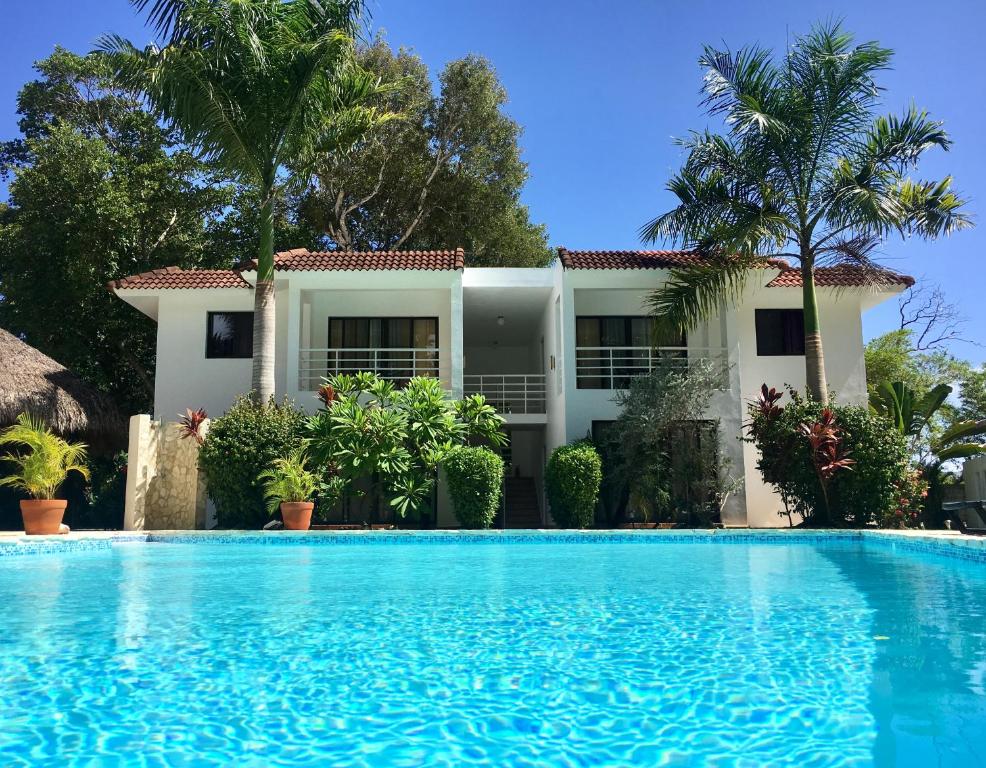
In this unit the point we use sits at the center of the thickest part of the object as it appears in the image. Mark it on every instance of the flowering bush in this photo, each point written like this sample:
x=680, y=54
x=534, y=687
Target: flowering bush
x=805, y=452
x=912, y=491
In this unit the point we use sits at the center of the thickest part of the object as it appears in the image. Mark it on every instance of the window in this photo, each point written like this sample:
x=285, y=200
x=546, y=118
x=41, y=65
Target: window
x=393, y=347
x=229, y=335
x=611, y=349
x=780, y=332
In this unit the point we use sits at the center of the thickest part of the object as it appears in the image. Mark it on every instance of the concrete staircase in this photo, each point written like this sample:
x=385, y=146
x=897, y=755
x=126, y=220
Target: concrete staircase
x=522, y=504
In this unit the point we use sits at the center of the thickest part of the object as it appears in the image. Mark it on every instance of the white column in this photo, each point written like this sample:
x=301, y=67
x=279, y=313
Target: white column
x=455, y=336
x=293, y=341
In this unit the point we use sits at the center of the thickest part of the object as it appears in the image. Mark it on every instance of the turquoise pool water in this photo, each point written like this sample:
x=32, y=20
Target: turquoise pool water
x=555, y=654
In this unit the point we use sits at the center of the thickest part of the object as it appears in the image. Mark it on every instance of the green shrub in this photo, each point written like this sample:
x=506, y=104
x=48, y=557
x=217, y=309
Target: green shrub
x=240, y=445
x=475, y=481
x=868, y=491
x=572, y=480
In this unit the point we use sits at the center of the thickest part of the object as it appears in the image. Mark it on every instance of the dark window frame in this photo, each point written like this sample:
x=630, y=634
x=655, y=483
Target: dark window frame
x=780, y=332
x=242, y=352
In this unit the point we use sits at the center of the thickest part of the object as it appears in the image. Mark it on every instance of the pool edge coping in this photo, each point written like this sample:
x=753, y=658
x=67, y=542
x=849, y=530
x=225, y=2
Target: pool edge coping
x=950, y=544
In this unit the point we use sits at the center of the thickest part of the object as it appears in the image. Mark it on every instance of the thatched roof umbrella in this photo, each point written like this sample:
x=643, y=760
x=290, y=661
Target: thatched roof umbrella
x=33, y=382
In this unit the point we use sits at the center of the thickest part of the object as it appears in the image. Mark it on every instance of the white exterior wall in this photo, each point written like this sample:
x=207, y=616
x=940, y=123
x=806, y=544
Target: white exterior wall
x=185, y=378
x=842, y=339
x=305, y=300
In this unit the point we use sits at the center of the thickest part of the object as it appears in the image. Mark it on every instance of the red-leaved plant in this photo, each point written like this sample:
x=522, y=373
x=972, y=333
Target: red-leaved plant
x=326, y=394
x=828, y=454
x=764, y=409
x=190, y=425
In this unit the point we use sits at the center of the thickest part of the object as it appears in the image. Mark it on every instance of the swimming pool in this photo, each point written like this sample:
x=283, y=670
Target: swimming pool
x=812, y=652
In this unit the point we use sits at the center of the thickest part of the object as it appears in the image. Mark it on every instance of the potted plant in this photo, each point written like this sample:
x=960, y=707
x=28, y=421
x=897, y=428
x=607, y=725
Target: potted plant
x=42, y=466
x=290, y=486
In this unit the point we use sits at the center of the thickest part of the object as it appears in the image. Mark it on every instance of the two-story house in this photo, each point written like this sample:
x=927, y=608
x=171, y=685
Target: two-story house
x=547, y=346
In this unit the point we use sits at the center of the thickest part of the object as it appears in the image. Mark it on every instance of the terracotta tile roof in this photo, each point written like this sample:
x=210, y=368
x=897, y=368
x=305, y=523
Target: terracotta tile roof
x=842, y=276
x=177, y=278
x=303, y=260
x=638, y=259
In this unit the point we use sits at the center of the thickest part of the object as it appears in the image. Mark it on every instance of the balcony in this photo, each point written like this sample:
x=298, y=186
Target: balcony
x=614, y=367
x=393, y=363
x=510, y=394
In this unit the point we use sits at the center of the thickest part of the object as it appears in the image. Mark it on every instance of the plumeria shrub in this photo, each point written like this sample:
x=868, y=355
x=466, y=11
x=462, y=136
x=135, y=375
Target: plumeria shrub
x=572, y=479
x=475, y=482
x=393, y=439
x=840, y=465
x=240, y=445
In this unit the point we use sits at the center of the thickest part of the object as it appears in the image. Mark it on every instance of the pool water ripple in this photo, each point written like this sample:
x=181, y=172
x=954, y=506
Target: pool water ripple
x=543, y=654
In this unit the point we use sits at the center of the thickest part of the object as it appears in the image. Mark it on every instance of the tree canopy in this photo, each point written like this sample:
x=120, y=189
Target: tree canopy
x=448, y=175
x=99, y=189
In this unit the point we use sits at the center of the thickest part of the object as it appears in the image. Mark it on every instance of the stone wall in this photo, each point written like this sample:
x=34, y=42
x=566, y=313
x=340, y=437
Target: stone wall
x=165, y=490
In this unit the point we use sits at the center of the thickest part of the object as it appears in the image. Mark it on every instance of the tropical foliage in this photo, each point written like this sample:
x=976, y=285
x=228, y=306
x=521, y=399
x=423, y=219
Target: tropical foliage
x=288, y=479
x=98, y=189
x=241, y=444
x=806, y=170
x=572, y=480
x=447, y=175
x=475, y=484
x=42, y=459
x=662, y=458
x=841, y=465
x=255, y=85
x=931, y=444
x=394, y=438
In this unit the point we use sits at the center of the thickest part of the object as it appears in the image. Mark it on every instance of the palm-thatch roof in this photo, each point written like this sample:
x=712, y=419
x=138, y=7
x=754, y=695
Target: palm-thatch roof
x=33, y=382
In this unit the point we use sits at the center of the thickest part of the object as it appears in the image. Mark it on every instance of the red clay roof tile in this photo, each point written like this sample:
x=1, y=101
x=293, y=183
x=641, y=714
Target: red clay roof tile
x=638, y=259
x=177, y=278
x=842, y=276
x=303, y=260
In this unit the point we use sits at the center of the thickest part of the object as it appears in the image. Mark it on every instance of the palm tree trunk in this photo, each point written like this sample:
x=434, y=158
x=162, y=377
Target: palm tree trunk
x=814, y=355
x=262, y=382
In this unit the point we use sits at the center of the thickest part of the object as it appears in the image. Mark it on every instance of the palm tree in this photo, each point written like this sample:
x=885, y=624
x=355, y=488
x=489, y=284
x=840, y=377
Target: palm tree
x=804, y=170
x=255, y=85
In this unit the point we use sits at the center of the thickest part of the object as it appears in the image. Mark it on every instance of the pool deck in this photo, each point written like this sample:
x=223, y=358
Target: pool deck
x=949, y=543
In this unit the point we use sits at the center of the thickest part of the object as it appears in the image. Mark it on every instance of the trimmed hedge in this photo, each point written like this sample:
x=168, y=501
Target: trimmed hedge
x=240, y=445
x=572, y=479
x=475, y=481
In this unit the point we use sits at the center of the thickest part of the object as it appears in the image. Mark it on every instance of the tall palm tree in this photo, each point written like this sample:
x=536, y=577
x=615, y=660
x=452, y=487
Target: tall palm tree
x=804, y=170
x=255, y=85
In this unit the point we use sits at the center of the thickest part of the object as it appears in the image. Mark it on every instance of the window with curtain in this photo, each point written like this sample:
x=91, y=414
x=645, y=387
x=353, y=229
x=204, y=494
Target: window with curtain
x=393, y=347
x=612, y=349
x=780, y=332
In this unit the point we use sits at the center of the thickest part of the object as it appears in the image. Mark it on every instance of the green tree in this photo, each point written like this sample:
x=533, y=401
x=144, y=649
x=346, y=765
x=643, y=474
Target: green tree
x=448, y=175
x=893, y=357
x=98, y=189
x=805, y=170
x=255, y=84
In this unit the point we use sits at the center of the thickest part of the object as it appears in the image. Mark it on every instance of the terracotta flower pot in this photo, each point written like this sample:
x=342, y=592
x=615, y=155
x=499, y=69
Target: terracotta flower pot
x=42, y=517
x=297, y=515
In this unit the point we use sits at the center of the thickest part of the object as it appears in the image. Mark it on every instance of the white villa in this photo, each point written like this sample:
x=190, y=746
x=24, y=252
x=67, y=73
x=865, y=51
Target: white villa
x=546, y=346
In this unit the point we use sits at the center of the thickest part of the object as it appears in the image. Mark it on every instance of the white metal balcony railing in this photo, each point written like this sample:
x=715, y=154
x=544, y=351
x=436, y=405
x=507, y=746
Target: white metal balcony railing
x=508, y=393
x=613, y=367
x=395, y=364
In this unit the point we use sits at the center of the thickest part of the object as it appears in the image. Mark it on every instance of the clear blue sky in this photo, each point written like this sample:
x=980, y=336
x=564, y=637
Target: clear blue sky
x=602, y=88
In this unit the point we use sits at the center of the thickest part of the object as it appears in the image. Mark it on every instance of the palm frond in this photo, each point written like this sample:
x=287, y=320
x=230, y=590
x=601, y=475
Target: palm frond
x=691, y=295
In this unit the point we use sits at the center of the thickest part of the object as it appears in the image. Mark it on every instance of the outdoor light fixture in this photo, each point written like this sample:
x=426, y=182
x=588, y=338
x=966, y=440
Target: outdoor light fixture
x=500, y=320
